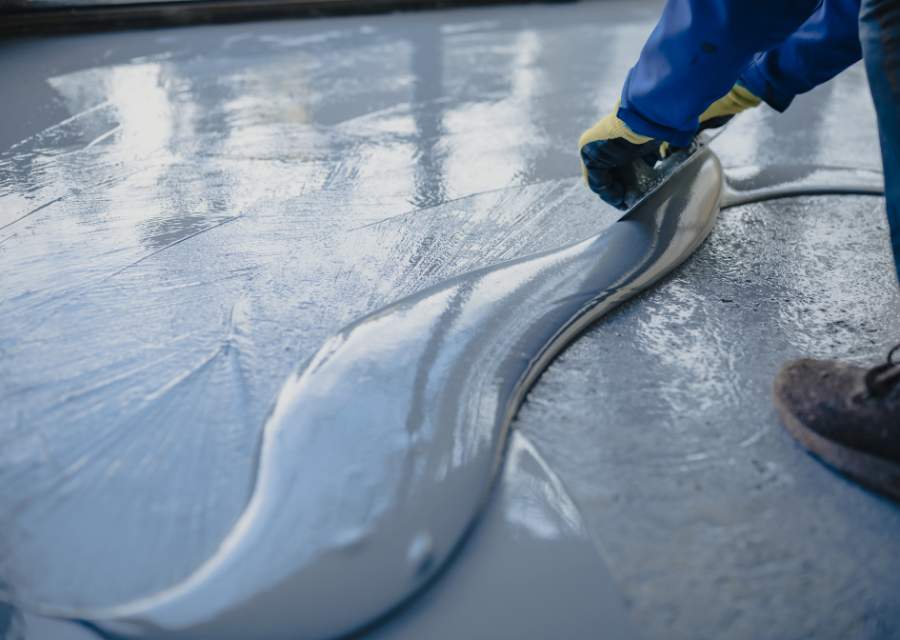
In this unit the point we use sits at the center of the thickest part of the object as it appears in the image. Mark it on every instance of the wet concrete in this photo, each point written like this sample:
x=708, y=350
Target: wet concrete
x=396, y=427
x=530, y=555
x=277, y=189
x=749, y=185
x=688, y=478
x=280, y=180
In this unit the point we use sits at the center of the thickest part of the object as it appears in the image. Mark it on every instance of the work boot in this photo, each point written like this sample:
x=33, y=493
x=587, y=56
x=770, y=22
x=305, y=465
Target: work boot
x=847, y=416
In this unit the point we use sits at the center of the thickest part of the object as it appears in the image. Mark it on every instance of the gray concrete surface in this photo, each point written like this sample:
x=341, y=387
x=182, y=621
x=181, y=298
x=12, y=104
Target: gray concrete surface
x=186, y=214
x=716, y=523
x=381, y=451
x=529, y=570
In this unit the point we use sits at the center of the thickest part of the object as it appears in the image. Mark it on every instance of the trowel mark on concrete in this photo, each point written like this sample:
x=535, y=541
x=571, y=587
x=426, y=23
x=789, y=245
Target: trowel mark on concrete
x=290, y=256
x=156, y=252
x=397, y=509
x=307, y=138
x=530, y=559
x=364, y=482
x=529, y=549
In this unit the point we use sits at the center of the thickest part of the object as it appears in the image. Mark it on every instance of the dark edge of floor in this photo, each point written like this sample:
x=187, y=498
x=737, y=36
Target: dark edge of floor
x=25, y=22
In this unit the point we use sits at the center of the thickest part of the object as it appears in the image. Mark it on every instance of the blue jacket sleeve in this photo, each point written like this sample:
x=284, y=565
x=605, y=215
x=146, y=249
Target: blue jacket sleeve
x=824, y=46
x=694, y=56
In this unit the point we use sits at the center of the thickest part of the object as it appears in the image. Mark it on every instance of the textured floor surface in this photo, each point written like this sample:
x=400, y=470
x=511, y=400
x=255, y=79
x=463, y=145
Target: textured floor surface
x=186, y=214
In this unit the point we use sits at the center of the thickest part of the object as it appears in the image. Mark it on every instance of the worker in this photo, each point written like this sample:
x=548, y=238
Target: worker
x=705, y=62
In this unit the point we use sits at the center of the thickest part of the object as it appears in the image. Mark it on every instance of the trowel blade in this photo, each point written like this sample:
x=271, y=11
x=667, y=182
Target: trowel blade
x=647, y=179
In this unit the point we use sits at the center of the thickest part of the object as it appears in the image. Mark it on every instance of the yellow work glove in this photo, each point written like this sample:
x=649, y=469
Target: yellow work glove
x=721, y=111
x=609, y=152
x=725, y=108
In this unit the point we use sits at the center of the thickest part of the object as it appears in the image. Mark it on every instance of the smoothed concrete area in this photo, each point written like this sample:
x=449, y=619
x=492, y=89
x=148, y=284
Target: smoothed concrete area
x=186, y=214
x=715, y=521
x=208, y=207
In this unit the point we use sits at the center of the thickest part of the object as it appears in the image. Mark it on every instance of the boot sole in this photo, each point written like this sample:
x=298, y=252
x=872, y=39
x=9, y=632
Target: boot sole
x=868, y=470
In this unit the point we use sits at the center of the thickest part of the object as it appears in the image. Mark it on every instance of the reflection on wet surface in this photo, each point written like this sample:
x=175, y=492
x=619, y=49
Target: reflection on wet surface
x=208, y=210
x=529, y=554
x=186, y=214
x=394, y=429
x=682, y=450
x=747, y=185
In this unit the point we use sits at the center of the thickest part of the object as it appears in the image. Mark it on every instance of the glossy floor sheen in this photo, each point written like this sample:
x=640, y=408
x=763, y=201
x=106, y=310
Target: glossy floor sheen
x=395, y=429
x=189, y=213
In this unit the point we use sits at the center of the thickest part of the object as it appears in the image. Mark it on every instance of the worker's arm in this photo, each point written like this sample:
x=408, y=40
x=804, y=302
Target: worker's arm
x=610, y=150
x=695, y=54
x=821, y=48
x=691, y=60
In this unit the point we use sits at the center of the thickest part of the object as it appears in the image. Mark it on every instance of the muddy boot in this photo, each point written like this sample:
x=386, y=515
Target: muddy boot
x=847, y=416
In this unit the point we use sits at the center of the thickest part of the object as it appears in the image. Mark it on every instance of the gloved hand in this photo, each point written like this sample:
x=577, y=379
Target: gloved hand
x=610, y=158
x=720, y=112
x=725, y=108
x=611, y=153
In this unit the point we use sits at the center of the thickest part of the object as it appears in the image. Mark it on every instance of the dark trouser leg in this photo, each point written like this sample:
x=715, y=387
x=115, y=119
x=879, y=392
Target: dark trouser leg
x=846, y=415
x=879, y=32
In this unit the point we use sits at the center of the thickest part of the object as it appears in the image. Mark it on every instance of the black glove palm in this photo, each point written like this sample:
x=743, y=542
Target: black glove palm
x=612, y=158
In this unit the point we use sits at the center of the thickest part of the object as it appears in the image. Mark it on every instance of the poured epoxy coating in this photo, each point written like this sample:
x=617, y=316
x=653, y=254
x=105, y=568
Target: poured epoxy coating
x=380, y=452
x=200, y=208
